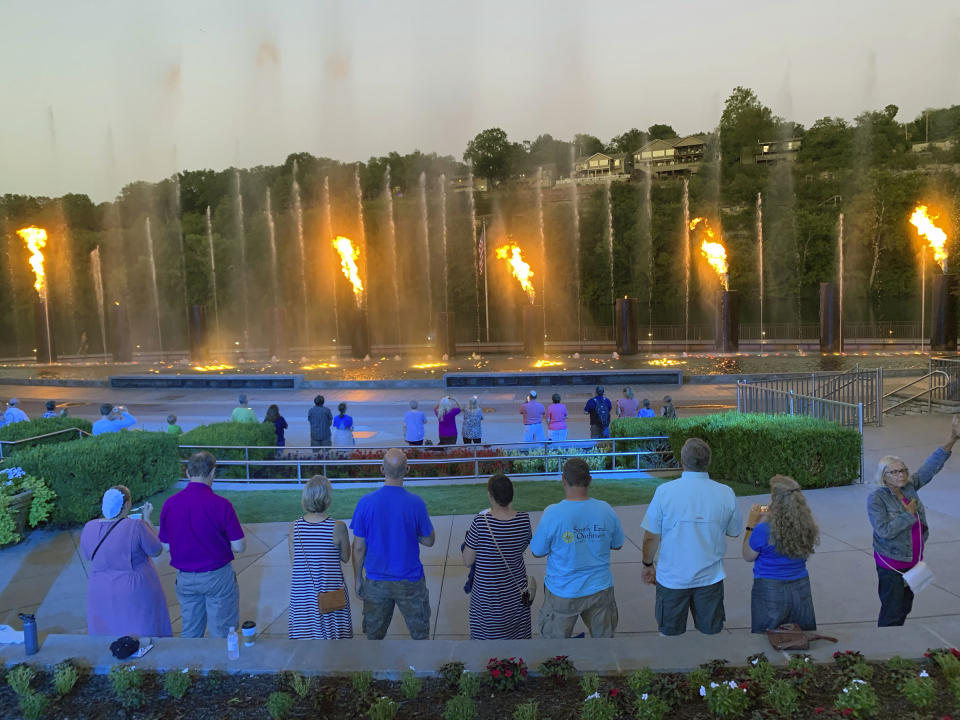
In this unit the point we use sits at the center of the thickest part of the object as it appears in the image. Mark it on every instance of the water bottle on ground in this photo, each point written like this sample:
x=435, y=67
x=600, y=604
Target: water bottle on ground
x=29, y=633
x=233, y=644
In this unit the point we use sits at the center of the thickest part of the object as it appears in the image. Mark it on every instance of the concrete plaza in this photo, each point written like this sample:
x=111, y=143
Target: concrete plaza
x=45, y=574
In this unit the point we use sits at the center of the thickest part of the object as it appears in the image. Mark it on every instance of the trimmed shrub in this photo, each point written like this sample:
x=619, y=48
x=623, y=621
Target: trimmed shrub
x=238, y=434
x=750, y=448
x=80, y=472
x=42, y=426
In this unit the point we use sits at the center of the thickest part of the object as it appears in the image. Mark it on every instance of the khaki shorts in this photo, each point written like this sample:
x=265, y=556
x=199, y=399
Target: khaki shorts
x=599, y=612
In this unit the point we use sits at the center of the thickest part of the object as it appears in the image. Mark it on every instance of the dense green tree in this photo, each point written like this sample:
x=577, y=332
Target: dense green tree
x=661, y=131
x=492, y=154
x=587, y=144
x=628, y=142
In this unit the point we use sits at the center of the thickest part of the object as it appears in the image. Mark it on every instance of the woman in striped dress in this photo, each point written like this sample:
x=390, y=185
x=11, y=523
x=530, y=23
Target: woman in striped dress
x=318, y=545
x=494, y=544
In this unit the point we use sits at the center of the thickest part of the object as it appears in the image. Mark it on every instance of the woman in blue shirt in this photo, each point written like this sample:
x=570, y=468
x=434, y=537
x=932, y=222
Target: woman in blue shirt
x=778, y=540
x=343, y=428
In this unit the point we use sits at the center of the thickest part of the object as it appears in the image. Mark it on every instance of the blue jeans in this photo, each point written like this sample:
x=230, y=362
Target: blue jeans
x=776, y=602
x=705, y=603
x=896, y=597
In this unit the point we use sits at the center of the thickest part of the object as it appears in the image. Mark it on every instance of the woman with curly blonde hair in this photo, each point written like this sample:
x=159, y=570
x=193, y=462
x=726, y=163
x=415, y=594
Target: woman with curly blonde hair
x=778, y=540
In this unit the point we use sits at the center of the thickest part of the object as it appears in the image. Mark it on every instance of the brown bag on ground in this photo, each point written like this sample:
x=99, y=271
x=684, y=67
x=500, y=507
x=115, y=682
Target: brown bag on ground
x=792, y=637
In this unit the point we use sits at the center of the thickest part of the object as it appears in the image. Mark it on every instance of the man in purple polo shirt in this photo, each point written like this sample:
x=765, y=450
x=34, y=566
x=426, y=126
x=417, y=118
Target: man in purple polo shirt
x=532, y=413
x=389, y=526
x=201, y=531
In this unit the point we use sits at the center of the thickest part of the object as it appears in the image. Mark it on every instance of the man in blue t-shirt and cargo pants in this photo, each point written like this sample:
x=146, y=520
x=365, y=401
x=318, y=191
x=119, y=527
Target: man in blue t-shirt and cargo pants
x=577, y=535
x=389, y=525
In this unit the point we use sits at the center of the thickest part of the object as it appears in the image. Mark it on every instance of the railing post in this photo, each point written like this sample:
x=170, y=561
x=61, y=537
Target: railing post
x=860, y=427
x=476, y=461
x=791, y=402
x=879, y=381
x=246, y=457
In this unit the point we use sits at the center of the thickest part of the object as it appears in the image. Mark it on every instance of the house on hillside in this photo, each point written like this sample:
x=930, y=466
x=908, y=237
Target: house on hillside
x=673, y=156
x=773, y=151
x=602, y=165
x=460, y=183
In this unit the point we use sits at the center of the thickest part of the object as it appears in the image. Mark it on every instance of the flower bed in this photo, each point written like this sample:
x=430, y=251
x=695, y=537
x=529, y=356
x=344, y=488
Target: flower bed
x=849, y=687
x=24, y=500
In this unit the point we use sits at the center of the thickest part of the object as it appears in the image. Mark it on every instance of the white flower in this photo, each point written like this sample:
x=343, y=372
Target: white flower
x=923, y=673
x=713, y=685
x=185, y=671
x=732, y=684
x=846, y=690
x=591, y=697
x=859, y=682
x=643, y=697
x=412, y=667
x=703, y=691
x=755, y=661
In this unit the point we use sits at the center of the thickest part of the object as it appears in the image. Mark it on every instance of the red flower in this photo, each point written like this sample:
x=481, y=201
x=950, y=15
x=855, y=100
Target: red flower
x=818, y=710
x=495, y=673
x=956, y=653
x=509, y=673
x=836, y=654
x=846, y=711
x=614, y=692
x=523, y=671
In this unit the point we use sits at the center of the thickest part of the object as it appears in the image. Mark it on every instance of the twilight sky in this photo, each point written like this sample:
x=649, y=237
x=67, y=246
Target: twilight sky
x=96, y=94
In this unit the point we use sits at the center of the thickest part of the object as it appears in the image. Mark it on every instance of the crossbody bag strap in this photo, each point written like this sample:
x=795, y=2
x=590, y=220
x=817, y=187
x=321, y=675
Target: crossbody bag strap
x=105, y=536
x=493, y=537
x=306, y=561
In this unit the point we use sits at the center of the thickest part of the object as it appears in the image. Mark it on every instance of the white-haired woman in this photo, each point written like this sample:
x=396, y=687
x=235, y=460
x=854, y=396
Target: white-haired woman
x=446, y=411
x=900, y=526
x=318, y=545
x=124, y=594
x=778, y=540
x=472, y=425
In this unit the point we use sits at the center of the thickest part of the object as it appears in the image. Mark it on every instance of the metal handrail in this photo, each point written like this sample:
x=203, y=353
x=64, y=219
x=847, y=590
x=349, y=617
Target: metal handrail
x=81, y=431
x=334, y=456
x=928, y=392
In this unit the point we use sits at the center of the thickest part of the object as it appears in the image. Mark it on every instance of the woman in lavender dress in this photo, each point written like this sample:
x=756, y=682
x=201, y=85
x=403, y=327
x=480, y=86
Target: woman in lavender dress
x=124, y=594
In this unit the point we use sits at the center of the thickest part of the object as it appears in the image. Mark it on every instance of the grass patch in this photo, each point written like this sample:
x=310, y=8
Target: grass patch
x=255, y=506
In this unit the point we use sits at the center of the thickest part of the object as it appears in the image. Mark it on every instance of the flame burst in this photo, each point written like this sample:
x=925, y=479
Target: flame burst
x=937, y=238
x=36, y=238
x=348, y=264
x=713, y=251
x=520, y=268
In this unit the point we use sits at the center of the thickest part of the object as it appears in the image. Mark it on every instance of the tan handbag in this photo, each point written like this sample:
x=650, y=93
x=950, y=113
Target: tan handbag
x=792, y=637
x=330, y=600
x=526, y=596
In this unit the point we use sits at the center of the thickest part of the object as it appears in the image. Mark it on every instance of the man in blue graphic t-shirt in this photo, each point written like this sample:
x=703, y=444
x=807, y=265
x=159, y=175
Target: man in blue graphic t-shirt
x=577, y=535
x=389, y=525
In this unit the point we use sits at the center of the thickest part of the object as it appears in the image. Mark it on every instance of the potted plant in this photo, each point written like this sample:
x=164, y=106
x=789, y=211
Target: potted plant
x=24, y=500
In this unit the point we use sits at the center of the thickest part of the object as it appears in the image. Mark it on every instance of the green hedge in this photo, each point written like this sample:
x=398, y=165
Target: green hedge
x=231, y=433
x=752, y=448
x=79, y=472
x=42, y=426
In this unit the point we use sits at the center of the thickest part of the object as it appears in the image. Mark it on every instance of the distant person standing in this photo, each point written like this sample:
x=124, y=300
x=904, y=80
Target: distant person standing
x=279, y=423
x=113, y=419
x=599, y=409
x=243, y=413
x=627, y=406
x=446, y=411
x=201, y=531
x=389, y=525
x=343, y=428
x=532, y=413
x=646, y=411
x=471, y=428
x=320, y=419
x=668, y=410
x=556, y=420
x=84, y=344
x=172, y=427
x=13, y=413
x=413, y=424
x=51, y=410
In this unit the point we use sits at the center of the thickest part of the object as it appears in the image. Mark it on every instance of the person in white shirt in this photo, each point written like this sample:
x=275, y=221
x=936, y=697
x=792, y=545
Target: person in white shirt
x=13, y=413
x=688, y=520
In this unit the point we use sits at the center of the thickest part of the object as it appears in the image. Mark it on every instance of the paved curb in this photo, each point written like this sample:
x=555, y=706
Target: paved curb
x=389, y=658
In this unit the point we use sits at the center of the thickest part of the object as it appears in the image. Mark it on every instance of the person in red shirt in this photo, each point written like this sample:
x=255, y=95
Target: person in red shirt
x=201, y=531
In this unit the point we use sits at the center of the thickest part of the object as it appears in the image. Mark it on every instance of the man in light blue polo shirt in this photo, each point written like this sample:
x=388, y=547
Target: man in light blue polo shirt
x=577, y=535
x=689, y=519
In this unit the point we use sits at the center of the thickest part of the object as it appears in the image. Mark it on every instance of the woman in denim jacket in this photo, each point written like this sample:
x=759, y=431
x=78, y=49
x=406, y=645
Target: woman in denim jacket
x=900, y=526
